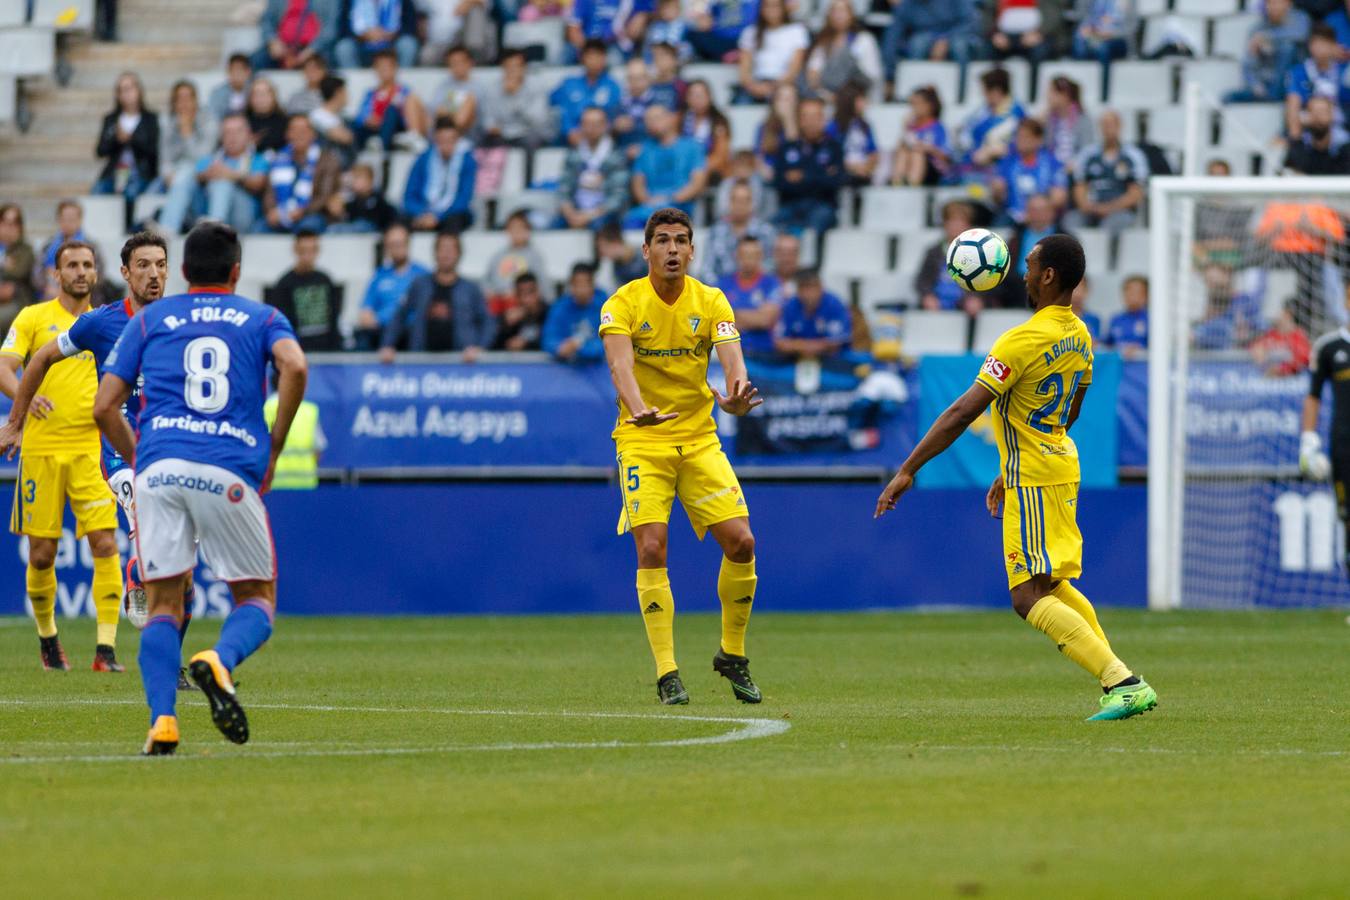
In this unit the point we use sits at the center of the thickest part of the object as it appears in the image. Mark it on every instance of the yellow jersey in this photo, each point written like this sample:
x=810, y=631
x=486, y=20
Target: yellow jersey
x=70, y=384
x=1033, y=371
x=672, y=345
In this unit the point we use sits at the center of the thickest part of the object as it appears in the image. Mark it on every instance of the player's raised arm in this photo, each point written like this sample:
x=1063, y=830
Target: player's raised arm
x=112, y=393
x=949, y=426
x=741, y=396
x=292, y=376
x=619, y=355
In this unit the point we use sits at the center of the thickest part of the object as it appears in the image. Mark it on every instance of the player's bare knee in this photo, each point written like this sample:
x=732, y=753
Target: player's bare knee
x=41, y=553
x=740, y=547
x=102, y=543
x=1024, y=597
x=265, y=591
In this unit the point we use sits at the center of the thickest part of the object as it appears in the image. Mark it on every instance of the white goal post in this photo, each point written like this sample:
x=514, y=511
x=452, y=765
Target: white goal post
x=1199, y=482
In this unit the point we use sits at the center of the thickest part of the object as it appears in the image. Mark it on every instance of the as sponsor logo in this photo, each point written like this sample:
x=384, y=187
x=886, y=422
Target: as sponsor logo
x=726, y=329
x=996, y=369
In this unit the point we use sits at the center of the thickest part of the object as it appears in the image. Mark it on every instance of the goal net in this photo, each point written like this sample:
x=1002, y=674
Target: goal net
x=1247, y=273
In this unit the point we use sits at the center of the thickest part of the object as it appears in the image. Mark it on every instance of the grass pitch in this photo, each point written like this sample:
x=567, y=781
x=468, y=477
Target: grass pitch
x=927, y=756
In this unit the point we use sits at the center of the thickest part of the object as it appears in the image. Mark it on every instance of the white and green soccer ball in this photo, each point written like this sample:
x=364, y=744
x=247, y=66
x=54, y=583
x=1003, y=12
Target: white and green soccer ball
x=978, y=259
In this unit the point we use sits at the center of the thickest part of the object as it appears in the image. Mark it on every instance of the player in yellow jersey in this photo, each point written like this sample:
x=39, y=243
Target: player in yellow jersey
x=1036, y=375
x=59, y=459
x=659, y=334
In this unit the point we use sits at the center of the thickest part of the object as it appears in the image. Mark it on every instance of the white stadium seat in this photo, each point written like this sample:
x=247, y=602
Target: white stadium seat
x=104, y=216
x=913, y=245
x=400, y=166
x=546, y=33
x=64, y=15
x=9, y=98
x=267, y=256
x=12, y=15
x=856, y=252
x=562, y=248
x=1096, y=247
x=1166, y=126
x=1231, y=35
x=1104, y=294
x=1140, y=84
x=935, y=332
x=888, y=124
x=1256, y=123
x=1087, y=74
x=991, y=323
x=27, y=52
x=1216, y=76
x=547, y=166
x=347, y=255
x=883, y=290
x=1159, y=28
x=913, y=73
x=746, y=120
x=1132, y=251
x=1144, y=8
x=1211, y=8
x=893, y=209
x=425, y=82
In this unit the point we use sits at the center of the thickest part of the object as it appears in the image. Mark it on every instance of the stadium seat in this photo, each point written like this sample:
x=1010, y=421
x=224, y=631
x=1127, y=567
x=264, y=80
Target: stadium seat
x=877, y=291
x=353, y=295
x=991, y=323
x=1087, y=74
x=546, y=78
x=146, y=206
x=856, y=252
x=1216, y=76
x=176, y=284
x=1096, y=248
x=345, y=256
x=1257, y=124
x=562, y=248
x=12, y=15
x=546, y=167
x=1140, y=84
x=545, y=33
x=251, y=287
x=9, y=98
x=542, y=205
x=943, y=196
x=1193, y=31
x=244, y=39
x=1132, y=251
x=513, y=172
x=65, y=15
x=425, y=82
x=1231, y=34
x=913, y=243
x=1144, y=8
x=1019, y=74
x=746, y=120
x=893, y=208
x=1166, y=126
x=358, y=82
x=104, y=216
x=400, y=167
x=929, y=332
x=268, y=256
x=721, y=78
x=1241, y=158
x=27, y=52
x=913, y=73
x=1104, y=293
x=840, y=285
x=888, y=123
x=1212, y=8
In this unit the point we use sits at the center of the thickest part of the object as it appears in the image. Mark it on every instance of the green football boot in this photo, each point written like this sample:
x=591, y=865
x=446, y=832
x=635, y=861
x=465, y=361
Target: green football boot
x=736, y=669
x=1126, y=700
x=670, y=689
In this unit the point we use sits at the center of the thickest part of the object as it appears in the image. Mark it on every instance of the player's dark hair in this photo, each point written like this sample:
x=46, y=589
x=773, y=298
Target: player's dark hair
x=210, y=253
x=526, y=278
x=996, y=79
x=594, y=45
x=142, y=239
x=304, y=233
x=512, y=53
x=386, y=53
x=445, y=123
x=1034, y=126
x=239, y=59
x=582, y=268
x=329, y=86
x=69, y=246
x=1065, y=255
x=1322, y=30
x=668, y=215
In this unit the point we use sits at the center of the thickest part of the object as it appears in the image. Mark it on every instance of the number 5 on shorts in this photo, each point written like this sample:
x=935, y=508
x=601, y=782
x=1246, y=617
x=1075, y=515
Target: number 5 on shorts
x=633, y=480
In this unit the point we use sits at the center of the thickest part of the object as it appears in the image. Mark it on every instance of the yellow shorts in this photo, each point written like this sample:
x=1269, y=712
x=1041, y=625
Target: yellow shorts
x=44, y=483
x=701, y=476
x=1040, y=533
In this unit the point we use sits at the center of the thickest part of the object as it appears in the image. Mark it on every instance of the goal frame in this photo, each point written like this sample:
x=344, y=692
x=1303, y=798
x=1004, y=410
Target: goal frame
x=1169, y=357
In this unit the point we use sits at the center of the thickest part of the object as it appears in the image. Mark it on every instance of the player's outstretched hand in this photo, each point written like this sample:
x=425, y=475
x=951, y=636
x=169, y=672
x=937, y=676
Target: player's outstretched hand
x=893, y=492
x=993, y=501
x=653, y=416
x=40, y=406
x=11, y=436
x=743, y=398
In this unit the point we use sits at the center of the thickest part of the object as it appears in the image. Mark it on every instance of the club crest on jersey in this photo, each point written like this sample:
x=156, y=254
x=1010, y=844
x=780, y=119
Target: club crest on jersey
x=995, y=369
x=646, y=326
x=235, y=493
x=693, y=323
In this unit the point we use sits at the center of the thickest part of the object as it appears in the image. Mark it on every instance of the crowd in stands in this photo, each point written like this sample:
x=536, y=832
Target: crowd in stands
x=636, y=136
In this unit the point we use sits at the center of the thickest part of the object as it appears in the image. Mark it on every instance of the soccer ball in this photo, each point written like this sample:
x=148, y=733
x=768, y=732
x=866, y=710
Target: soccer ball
x=977, y=260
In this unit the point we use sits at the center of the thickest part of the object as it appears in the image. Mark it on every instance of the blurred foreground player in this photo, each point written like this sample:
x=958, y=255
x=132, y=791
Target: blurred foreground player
x=1330, y=363
x=145, y=268
x=1037, y=375
x=659, y=334
x=202, y=459
x=59, y=460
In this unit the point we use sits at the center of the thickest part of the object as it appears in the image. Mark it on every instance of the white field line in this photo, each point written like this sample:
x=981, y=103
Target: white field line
x=745, y=730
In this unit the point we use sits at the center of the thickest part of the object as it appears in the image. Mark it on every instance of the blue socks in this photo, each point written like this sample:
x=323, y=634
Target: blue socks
x=160, y=658
x=245, y=630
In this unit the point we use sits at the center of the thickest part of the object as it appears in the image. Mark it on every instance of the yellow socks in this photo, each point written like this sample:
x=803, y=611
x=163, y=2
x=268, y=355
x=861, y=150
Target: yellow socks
x=658, y=615
x=1077, y=640
x=1073, y=598
x=736, y=589
x=107, y=591
x=42, y=594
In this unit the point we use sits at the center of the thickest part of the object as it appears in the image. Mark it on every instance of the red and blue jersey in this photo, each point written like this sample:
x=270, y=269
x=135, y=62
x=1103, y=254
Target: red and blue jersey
x=202, y=361
x=97, y=331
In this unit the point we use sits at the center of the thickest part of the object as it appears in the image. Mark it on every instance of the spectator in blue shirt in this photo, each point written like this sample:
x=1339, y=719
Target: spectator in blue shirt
x=369, y=26
x=1039, y=223
x=987, y=133
x=755, y=296
x=715, y=31
x=669, y=26
x=931, y=29
x=1103, y=34
x=619, y=22
x=670, y=170
x=815, y=324
x=1028, y=169
x=572, y=329
x=1274, y=44
x=808, y=172
x=593, y=87
x=1340, y=26
x=854, y=133
x=638, y=95
x=387, y=288
x=1322, y=74
x=439, y=194
x=1128, y=331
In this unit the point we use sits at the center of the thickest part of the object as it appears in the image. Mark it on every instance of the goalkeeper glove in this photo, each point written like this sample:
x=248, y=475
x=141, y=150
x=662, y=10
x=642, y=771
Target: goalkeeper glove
x=1312, y=462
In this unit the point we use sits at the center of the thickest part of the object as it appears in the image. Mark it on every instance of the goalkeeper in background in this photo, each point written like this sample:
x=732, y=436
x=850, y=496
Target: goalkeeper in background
x=1330, y=362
